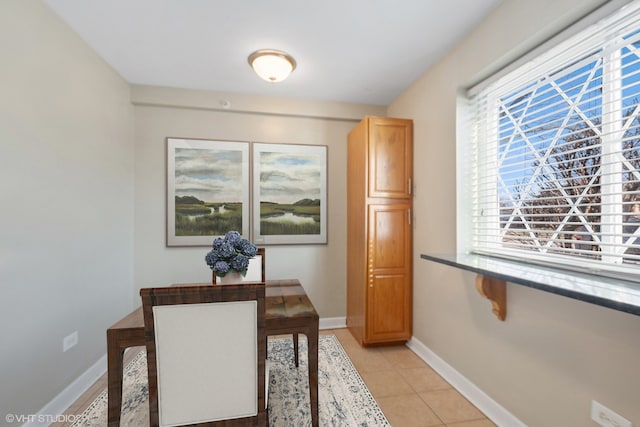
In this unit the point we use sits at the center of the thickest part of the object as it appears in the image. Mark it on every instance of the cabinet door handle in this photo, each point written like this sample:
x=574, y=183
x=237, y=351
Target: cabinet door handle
x=409, y=216
x=410, y=186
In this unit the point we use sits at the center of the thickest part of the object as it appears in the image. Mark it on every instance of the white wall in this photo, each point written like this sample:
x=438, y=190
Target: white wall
x=163, y=112
x=553, y=354
x=66, y=216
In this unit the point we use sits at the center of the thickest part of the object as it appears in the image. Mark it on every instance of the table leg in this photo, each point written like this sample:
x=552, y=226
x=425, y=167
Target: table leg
x=115, y=356
x=312, y=343
x=295, y=348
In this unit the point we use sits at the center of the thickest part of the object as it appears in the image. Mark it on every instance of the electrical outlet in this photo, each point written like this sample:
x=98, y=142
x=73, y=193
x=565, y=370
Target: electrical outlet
x=606, y=417
x=70, y=341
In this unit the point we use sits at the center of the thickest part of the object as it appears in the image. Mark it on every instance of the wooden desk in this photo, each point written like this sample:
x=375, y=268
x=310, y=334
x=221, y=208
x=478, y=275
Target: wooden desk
x=288, y=311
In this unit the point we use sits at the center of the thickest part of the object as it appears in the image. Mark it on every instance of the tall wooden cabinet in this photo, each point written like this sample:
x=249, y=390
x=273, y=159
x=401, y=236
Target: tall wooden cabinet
x=379, y=230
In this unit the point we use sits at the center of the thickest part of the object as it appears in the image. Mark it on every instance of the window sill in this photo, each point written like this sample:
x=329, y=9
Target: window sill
x=616, y=294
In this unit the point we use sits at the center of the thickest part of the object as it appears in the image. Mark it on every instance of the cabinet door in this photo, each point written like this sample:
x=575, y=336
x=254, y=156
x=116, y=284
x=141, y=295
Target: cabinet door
x=389, y=278
x=388, y=319
x=390, y=157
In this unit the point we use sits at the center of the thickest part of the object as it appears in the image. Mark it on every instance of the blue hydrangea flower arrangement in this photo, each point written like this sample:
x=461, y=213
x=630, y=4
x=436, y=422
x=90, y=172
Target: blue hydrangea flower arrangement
x=230, y=253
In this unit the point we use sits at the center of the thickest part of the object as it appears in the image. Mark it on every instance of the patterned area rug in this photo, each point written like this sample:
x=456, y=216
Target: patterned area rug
x=344, y=399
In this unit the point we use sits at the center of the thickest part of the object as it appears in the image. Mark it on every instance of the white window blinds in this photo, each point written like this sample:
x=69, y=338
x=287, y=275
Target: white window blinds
x=556, y=152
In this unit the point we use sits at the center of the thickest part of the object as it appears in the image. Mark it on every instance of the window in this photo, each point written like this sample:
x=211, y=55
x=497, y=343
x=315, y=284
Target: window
x=555, y=153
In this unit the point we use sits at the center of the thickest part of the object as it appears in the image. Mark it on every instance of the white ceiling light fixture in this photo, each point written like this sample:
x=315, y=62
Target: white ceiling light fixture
x=272, y=65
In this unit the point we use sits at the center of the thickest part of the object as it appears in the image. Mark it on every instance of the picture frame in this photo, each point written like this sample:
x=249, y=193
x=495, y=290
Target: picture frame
x=208, y=190
x=289, y=194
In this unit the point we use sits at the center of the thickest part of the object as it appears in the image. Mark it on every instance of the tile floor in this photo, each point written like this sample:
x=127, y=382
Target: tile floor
x=409, y=392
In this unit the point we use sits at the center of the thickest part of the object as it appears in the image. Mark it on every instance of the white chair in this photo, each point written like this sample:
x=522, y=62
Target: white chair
x=206, y=355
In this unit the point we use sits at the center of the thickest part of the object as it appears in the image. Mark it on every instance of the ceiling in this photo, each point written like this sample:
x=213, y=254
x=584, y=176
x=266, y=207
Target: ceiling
x=360, y=51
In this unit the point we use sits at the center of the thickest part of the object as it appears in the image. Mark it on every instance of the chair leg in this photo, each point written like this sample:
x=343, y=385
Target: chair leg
x=295, y=348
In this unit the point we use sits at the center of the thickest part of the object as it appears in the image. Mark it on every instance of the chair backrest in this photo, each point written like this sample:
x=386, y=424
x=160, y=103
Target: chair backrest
x=255, y=272
x=206, y=354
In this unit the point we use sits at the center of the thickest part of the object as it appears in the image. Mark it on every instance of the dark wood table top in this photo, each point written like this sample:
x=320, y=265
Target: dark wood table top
x=283, y=299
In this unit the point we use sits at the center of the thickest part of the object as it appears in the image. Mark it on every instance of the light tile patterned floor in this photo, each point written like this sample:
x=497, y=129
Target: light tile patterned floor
x=409, y=392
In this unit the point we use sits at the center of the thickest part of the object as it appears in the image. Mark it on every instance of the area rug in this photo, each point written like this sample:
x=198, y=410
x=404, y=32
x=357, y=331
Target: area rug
x=344, y=399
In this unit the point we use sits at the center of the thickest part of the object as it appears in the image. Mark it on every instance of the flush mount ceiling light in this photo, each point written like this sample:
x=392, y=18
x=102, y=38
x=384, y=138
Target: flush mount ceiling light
x=272, y=65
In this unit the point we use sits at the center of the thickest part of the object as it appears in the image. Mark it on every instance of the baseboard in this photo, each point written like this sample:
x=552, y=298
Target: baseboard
x=333, y=323
x=54, y=410
x=492, y=409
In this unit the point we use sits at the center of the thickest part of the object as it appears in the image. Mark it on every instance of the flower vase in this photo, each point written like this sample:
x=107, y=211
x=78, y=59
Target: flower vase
x=231, y=278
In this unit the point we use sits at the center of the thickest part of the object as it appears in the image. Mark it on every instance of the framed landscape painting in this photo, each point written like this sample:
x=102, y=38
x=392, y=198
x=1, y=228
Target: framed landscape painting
x=289, y=194
x=207, y=190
